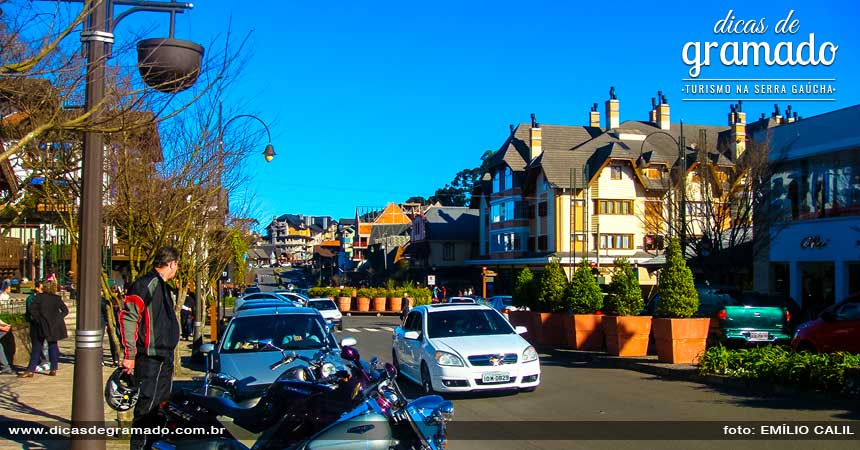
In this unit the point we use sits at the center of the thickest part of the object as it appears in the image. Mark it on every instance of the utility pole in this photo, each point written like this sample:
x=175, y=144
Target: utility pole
x=682, y=214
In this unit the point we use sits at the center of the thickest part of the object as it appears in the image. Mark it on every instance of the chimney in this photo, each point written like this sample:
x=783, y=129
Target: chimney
x=663, y=112
x=775, y=114
x=594, y=117
x=535, y=147
x=652, y=116
x=612, y=110
x=788, y=117
x=738, y=125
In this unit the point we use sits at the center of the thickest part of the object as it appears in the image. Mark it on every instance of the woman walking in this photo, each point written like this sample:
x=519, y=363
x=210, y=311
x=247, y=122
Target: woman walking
x=47, y=313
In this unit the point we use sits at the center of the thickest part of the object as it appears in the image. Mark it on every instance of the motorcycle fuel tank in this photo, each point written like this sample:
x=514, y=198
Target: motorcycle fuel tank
x=369, y=431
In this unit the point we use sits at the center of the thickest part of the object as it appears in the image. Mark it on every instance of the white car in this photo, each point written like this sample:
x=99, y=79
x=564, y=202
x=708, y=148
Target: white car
x=294, y=296
x=263, y=295
x=464, y=347
x=329, y=311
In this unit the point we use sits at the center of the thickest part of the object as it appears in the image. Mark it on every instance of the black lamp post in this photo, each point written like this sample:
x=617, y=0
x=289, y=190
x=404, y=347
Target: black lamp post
x=643, y=163
x=168, y=65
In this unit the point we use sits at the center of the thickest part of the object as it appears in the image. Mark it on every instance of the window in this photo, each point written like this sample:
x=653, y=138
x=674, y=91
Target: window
x=509, y=178
x=542, y=209
x=508, y=241
x=496, y=213
x=448, y=251
x=623, y=207
x=521, y=210
x=542, y=243
x=497, y=178
x=653, y=174
x=615, y=172
x=695, y=209
x=615, y=241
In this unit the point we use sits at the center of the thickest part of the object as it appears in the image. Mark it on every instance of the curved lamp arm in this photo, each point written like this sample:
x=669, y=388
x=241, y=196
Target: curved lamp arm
x=268, y=153
x=640, y=162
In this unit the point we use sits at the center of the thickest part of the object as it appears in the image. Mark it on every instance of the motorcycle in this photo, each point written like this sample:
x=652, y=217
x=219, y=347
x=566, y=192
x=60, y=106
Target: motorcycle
x=307, y=408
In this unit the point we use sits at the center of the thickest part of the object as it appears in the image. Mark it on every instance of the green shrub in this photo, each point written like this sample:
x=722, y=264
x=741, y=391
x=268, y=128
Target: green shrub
x=14, y=319
x=625, y=295
x=422, y=296
x=678, y=296
x=824, y=371
x=229, y=302
x=345, y=292
x=553, y=284
x=318, y=291
x=525, y=290
x=365, y=293
x=583, y=295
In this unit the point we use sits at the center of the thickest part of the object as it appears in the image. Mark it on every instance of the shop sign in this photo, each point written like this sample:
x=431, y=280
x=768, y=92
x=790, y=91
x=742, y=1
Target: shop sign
x=813, y=242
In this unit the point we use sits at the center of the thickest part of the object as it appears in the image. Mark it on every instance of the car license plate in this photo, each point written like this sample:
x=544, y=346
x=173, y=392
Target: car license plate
x=758, y=335
x=495, y=377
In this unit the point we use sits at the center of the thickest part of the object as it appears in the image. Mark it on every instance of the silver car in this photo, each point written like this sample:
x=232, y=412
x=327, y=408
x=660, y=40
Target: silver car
x=241, y=356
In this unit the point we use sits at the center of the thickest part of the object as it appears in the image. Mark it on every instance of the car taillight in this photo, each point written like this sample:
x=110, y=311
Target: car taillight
x=787, y=316
x=722, y=315
x=505, y=311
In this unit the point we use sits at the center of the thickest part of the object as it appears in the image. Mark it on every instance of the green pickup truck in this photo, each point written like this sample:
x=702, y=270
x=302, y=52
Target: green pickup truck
x=732, y=322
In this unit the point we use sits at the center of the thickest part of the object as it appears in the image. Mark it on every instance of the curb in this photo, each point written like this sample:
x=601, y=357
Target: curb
x=688, y=372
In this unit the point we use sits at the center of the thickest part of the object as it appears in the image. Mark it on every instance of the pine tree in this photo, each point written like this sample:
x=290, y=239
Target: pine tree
x=678, y=296
x=553, y=284
x=625, y=295
x=525, y=290
x=583, y=295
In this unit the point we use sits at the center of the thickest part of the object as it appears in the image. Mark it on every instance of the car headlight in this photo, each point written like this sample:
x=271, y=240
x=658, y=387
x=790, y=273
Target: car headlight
x=328, y=369
x=448, y=359
x=530, y=354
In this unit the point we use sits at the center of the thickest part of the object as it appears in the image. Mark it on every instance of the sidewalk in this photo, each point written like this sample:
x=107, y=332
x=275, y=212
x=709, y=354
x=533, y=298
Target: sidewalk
x=47, y=401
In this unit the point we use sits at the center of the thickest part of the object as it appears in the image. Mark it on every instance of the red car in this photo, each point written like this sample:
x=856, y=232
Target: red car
x=837, y=329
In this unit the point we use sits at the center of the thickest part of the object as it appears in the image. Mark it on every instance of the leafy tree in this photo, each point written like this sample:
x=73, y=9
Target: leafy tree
x=459, y=191
x=678, y=296
x=553, y=283
x=525, y=290
x=583, y=295
x=625, y=295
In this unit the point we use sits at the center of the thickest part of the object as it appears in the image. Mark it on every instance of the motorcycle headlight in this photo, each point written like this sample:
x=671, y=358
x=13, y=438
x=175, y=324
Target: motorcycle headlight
x=530, y=354
x=327, y=370
x=448, y=359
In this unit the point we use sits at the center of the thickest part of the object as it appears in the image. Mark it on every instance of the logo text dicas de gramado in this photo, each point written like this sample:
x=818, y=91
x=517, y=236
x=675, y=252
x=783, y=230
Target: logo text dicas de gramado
x=794, y=50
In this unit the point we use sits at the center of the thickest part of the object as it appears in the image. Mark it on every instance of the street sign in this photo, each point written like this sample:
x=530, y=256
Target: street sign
x=490, y=273
x=431, y=280
x=490, y=279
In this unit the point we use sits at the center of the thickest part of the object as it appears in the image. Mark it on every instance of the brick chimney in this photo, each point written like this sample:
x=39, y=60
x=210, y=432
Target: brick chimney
x=652, y=115
x=662, y=112
x=594, y=117
x=535, y=147
x=777, y=117
x=788, y=117
x=612, y=110
x=738, y=125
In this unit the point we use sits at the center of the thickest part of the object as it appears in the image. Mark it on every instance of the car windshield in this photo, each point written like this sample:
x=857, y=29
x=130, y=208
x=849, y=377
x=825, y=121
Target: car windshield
x=474, y=322
x=461, y=300
x=290, y=332
x=507, y=300
x=322, y=305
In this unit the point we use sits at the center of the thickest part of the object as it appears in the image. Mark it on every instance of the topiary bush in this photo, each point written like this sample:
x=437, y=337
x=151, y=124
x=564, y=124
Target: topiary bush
x=625, y=295
x=678, y=296
x=583, y=295
x=365, y=293
x=525, y=290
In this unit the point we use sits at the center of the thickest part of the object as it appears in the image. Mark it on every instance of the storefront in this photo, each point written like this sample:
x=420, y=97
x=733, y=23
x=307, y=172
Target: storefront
x=817, y=262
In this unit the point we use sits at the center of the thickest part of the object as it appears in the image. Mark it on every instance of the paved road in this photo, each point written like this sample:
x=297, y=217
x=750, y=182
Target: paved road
x=584, y=398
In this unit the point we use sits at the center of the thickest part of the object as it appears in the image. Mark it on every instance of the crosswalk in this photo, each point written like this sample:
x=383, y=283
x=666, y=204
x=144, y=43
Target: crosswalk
x=368, y=329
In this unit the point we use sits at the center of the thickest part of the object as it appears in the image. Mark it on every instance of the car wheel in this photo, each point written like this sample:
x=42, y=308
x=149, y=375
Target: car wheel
x=426, y=382
x=396, y=362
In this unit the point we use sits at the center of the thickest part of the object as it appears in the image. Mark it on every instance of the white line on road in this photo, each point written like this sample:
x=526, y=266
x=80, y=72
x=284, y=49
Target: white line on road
x=371, y=329
x=353, y=330
x=387, y=328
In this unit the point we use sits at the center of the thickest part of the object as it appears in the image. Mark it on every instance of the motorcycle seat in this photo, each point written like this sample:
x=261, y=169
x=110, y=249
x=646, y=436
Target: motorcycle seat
x=226, y=407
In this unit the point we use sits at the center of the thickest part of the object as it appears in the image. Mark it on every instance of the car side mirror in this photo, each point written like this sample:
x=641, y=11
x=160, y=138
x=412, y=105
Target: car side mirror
x=521, y=329
x=348, y=342
x=207, y=348
x=828, y=316
x=411, y=335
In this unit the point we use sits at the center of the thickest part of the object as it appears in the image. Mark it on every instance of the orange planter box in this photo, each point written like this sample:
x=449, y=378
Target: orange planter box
x=550, y=328
x=680, y=341
x=393, y=304
x=362, y=304
x=627, y=335
x=378, y=304
x=344, y=303
x=584, y=331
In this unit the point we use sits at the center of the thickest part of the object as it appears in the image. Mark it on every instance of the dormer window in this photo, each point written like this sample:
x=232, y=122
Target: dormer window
x=509, y=178
x=496, y=181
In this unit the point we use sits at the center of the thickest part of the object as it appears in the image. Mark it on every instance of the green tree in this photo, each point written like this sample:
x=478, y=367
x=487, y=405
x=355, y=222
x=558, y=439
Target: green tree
x=678, y=296
x=525, y=290
x=553, y=284
x=583, y=295
x=625, y=295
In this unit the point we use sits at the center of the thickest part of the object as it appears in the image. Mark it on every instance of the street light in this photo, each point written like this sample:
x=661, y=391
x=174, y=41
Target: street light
x=168, y=65
x=643, y=163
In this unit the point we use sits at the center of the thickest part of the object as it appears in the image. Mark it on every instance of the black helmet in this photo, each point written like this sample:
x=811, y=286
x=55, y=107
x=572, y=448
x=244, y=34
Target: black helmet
x=121, y=391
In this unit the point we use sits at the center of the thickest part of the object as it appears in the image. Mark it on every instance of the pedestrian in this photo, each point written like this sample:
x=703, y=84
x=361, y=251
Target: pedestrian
x=6, y=295
x=5, y=367
x=109, y=310
x=43, y=366
x=150, y=333
x=186, y=315
x=48, y=313
x=444, y=292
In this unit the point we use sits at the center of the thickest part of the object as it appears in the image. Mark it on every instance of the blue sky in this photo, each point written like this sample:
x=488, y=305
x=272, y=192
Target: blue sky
x=375, y=101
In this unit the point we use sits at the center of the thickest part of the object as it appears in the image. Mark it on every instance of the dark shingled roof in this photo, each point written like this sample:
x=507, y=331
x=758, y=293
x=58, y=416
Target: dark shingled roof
x=380, y=231
x=451, y=223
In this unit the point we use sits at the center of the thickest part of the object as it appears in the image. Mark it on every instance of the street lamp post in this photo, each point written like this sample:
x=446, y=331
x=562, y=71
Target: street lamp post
x=642, y=163
x=157, y=57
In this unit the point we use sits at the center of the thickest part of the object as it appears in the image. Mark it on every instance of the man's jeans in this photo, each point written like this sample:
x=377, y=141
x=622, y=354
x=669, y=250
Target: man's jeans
x=4, y=363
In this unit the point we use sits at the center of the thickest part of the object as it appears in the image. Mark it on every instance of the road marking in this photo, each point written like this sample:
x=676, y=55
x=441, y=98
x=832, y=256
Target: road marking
x=371, y=329
x=387, y=328
x=353, y=330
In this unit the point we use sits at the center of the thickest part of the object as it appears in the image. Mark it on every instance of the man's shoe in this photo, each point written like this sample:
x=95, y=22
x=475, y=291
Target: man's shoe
x=25, y=374
x=6, y=372
x=52, y=373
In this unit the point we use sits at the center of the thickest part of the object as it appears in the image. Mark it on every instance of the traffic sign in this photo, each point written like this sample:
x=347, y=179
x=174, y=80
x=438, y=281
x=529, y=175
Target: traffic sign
x=490, y=273
x=431, y=280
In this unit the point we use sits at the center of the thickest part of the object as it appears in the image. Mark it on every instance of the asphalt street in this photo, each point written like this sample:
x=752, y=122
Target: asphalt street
x=582, y=406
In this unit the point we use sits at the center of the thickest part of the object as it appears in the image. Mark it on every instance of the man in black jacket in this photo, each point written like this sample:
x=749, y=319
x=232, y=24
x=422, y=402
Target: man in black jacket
x=150, y=332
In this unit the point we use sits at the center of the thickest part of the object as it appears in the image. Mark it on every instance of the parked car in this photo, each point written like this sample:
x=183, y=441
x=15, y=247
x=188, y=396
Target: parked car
x=463, y=347
x=837, y=328
x=263, y=295
x=251, y=290
x=294, y=296
x=241, y=355
x=460, y=300
x=478, y=299
x=329, y=311
x=259, y=303
x=732, y=322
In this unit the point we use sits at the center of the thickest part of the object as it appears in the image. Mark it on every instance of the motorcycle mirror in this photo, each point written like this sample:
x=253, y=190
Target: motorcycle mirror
x=350, y=354
x=391, y=370
x=348, y=342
